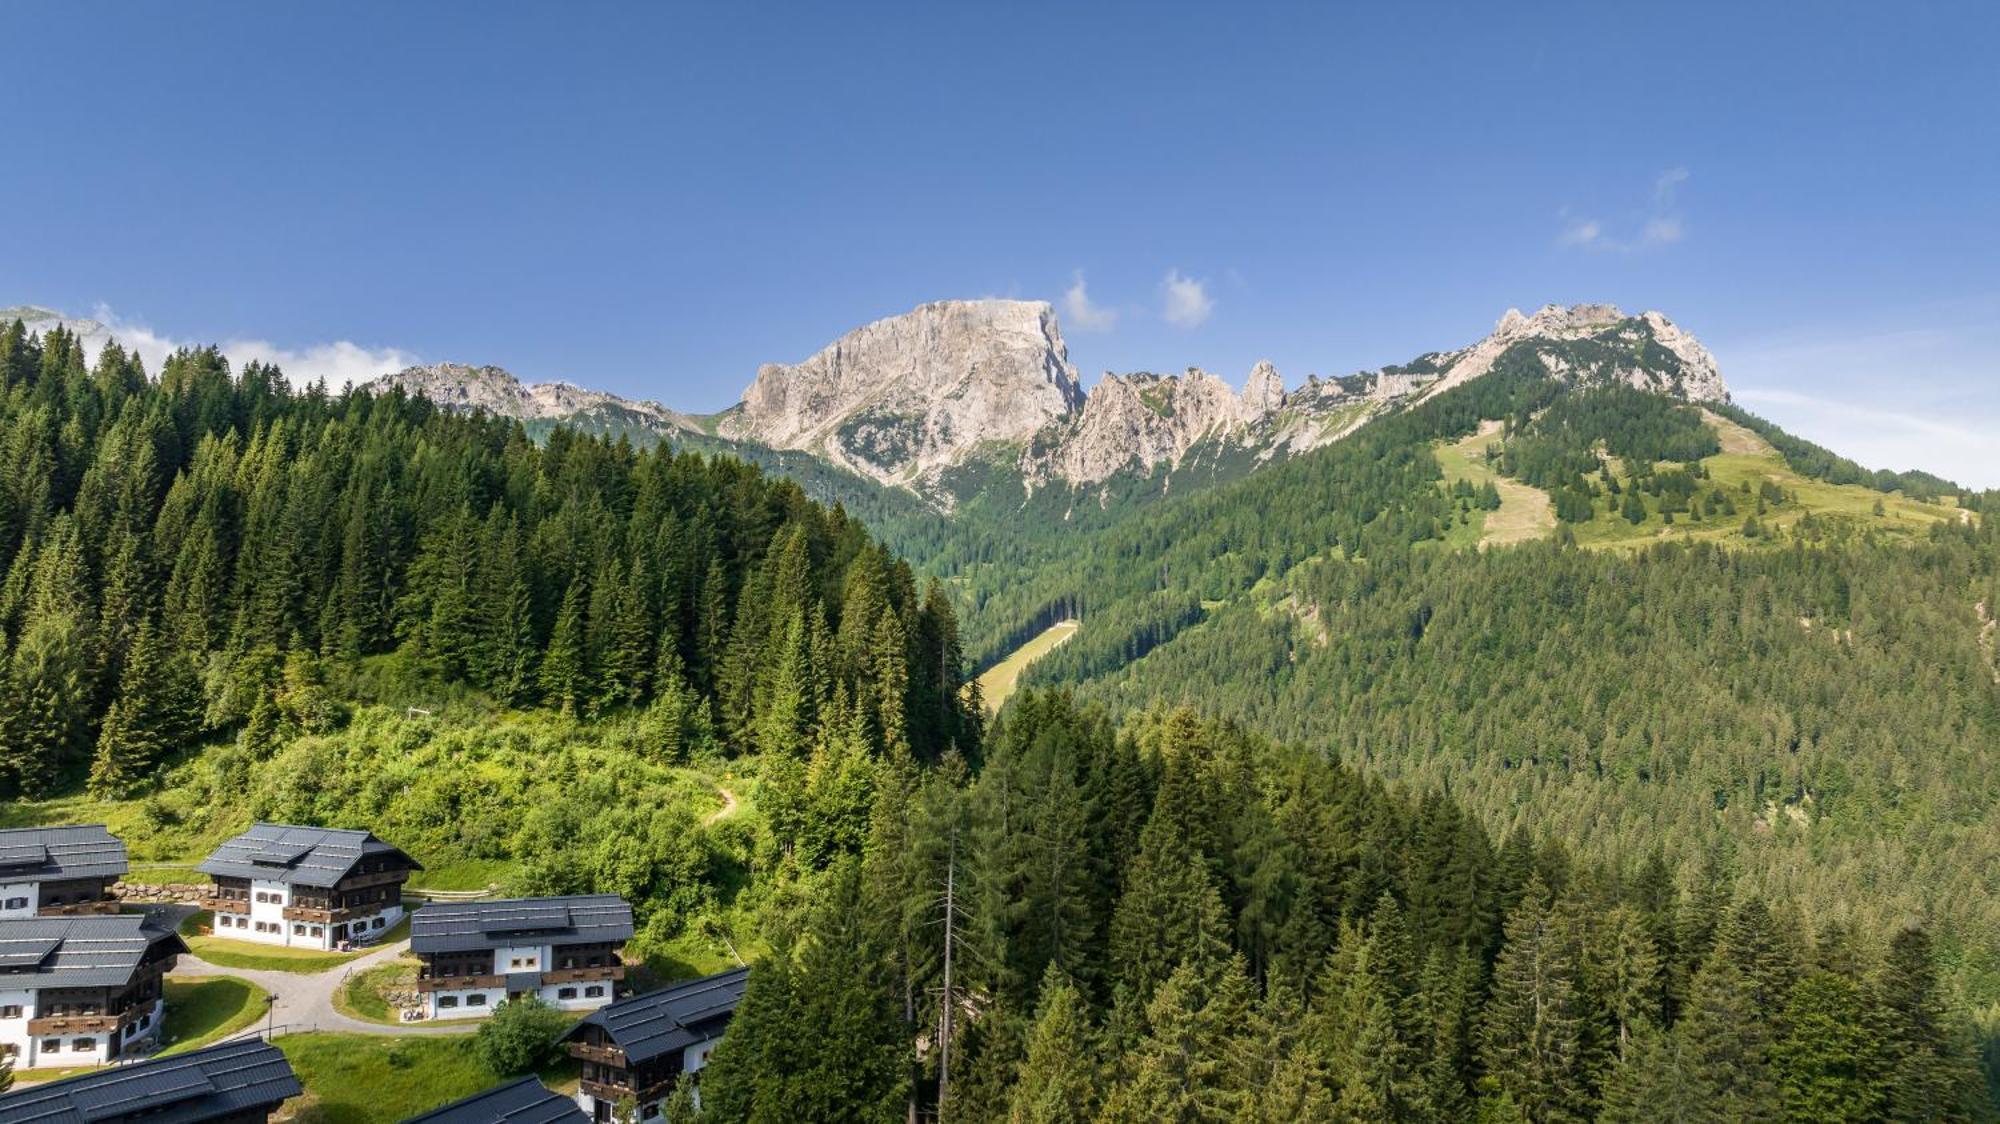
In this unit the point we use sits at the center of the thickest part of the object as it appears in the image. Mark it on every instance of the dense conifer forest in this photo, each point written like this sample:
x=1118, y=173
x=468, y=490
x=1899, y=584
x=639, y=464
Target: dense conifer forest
x=1537, y=834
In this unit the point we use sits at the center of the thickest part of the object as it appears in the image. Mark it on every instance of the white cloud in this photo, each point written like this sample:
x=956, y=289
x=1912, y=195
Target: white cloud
x=341, y=363
x=1660, y=224
x=1083, y=316
x=1184, y=300
x=1581, y=232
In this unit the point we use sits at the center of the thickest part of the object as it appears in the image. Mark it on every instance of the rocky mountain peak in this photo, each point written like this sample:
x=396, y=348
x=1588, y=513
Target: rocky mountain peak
x=460, y=386
x=1264, y=393
x=904, y=398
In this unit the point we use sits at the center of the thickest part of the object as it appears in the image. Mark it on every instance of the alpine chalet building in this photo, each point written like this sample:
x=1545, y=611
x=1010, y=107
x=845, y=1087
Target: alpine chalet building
x=639, y=1047
x=306, y=887
x=78, y=991
x=477, y=955
x=59, y=871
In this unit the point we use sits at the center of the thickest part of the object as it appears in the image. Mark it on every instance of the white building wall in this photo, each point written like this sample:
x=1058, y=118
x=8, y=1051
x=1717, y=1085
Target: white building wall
x=267, y=923
x=29, y=894
x=465, y=1008
x=14, y=1030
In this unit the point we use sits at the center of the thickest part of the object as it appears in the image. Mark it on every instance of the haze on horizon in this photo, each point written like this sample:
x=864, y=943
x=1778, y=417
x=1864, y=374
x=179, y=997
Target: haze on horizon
x=654, y=202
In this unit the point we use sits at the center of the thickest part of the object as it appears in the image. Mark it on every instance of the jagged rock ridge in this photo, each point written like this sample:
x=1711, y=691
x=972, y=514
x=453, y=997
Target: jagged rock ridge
x=457, y=386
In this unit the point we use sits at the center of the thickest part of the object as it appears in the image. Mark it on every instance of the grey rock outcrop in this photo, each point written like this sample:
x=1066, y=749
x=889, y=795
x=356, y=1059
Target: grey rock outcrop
x=904, y=398
x=457, y=386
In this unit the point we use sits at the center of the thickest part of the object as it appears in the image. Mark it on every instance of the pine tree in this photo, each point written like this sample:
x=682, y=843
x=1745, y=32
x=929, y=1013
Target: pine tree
x=1725, y=1041
x=156, y=713
x=1058, y=1079
x=1829, y=1061
x=1926, y=1077
x=1177, y=1069
x=1532, y=1037
x=565, y=676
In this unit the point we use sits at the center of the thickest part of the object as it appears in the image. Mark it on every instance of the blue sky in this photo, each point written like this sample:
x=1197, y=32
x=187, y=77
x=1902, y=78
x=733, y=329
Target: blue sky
x=655, y=199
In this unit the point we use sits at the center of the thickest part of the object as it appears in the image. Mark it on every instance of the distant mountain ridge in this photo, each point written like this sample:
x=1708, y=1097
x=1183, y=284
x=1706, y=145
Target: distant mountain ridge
x=457, y=386
x=956, y=397
x=908, y=399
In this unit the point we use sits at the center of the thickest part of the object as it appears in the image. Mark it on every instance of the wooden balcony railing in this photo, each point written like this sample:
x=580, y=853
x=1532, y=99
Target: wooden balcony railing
x=226, y=905
x=602, y=1055
x=78, y=909
x=331, y=916
x=459, y=983
x=584, y=975
x=602, y=1091
x=82, y=1024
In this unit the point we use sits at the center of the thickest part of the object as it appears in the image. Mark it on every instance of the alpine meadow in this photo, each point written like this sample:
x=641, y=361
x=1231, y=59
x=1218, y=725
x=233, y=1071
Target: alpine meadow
x=1387, y=693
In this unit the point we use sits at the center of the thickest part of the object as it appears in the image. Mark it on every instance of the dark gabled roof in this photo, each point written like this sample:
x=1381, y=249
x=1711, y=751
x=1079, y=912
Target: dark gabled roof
x=89, y=951
x=208, y=1084
x=526, y=1101
x=672, y=1018
x=475, y=926
x=303, y=856
x=42, y=854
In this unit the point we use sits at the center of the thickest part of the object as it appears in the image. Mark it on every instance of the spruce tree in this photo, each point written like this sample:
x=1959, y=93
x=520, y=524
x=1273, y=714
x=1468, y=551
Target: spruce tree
x=1058, y=1079
x=157, y=712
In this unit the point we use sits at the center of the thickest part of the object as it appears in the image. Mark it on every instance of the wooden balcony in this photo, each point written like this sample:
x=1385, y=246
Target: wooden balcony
x=602, y=1091
x=227, y=905
x=602, y=1055
x=379, y=878
x=460, y=983
x=78, y=909
x=331, y=916
x=56, y=1025
x=584, y=975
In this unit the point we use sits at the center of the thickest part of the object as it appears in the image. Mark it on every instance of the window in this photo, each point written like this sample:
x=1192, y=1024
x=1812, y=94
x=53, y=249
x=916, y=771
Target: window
x=378, y=922
x=447, y=1000
x=566, y=993
x=475, y=1001
x=10, y=1011
x=51, y=1045
x=298, y=929
x=84, y=1045
x=316, y=931
x=594, y=991
x=17, y=903
x=8, y=1050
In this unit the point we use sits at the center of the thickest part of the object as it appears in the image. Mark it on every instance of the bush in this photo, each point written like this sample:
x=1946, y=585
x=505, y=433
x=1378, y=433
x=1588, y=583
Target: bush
x=520, y=1037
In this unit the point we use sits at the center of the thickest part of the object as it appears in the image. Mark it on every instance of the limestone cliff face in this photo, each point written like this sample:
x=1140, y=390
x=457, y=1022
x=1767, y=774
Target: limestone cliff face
x=1139, y=422
x=1680, y=366
x=905, y=398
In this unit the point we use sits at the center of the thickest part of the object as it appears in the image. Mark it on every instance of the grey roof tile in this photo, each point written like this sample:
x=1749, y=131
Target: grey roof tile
x=43, y=854
x=302, y=856
x=525, y=1101
x=207, y=1084
x=672, y=1018
x=89, y=951
x=479, y=926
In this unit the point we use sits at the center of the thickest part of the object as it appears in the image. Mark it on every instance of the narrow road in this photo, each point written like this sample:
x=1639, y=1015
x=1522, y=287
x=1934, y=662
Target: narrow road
x=304, y=1001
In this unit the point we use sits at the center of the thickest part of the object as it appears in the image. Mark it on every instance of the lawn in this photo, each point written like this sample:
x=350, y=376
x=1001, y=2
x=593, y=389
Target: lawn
x=226, y=953
x=364, y=996
x=364, y=1079
x=204, y=1009
x=999, y=681
x=465, y=874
